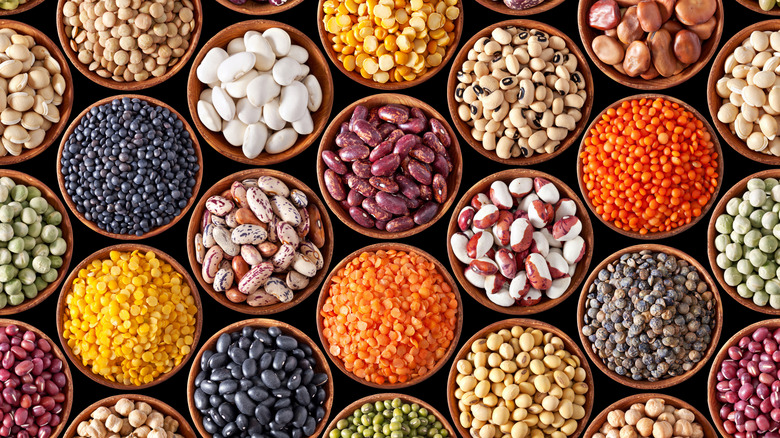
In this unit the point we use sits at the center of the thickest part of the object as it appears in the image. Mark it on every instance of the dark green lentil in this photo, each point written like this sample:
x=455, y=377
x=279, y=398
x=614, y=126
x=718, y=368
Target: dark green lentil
x=390, y=419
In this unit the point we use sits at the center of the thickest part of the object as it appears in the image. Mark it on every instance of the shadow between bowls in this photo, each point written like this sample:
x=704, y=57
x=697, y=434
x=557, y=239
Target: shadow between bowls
x=210, y=344
x=67, y=235
x=662, y=234
x=646, y=385
x=714, y=101
x=708, y=49
x=318, y=67
x=184, y=427
x=65, y=43
x=501, y=8
x=625, y=404
x=104, y=254
x=327, y=44
x=328, y=142
x=223, y=185
x=582, y=267
x=753, y=6
x=569, y=344
x=255, y=7
x=72, y=206
x=67, y=98
x=465, y=130
x=325, y=292
x=22, y=8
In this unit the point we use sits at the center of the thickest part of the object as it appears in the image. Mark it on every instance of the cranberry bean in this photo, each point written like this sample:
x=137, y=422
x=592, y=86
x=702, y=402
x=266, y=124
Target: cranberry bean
x=348, y=139
x=426, y=213
x=637, y=59
x=399, y=224
x=687, y=47
x=604, y=14
x=391, y=203
x=386, y=166
x=439, y=186
x=373, y=117
x=372, y=207
x=360, y=184
x=384, y=183
x=353, y=153
x=361, y=217
x=649, y=16
x=359, y=113
x=367, y=132
x=382, y=150
x=405, y=144
x=385, y=129
x=354, y=197
x=334, y=162
x=361, y=168
x=380, y=225
x=344, y=127
x=392, y=113
x=412, y=204
x=334, y=185
x=437, y=127
x=407, y=186
x=419, y=171
x=422, y=153
x=426, y=193
x=442, y=164
x=413, y=126
x=432, y=141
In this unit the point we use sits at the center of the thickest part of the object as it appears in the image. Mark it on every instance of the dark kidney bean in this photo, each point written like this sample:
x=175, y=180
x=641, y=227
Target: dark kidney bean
x=419, y=171
x=354, y=197
x=362, y=168
x=439, y=186
x=405, y=144
x=335, y=187
x=408, y=187
x=399, y=224
x=359, y=113
x=396, y=114
x=344, y=127
x=426, y=213
x=392, y=203
x=442, y=165
x=371, y=207
x=386, y=166
x=361, y=217
x=353, y=153
x=380, y=225
x=411, y=203
x=348, y=139
x=373, y=117
x=384, y=183
x=382, y=150
x=422, y=153
x=437, y=127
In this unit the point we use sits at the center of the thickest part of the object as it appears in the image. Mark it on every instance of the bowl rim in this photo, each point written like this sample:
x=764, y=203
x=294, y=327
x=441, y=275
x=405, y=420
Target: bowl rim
x=499, y=7
x=753, y=6
x=260, y=9
x=21, y=8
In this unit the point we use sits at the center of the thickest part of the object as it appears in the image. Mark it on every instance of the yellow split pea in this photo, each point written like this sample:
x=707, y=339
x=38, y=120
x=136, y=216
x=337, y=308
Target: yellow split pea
x=130, y=318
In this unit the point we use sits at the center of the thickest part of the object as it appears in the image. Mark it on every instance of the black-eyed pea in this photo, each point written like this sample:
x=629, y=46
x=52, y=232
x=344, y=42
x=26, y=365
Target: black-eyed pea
x=504, y=147
x=492, y=125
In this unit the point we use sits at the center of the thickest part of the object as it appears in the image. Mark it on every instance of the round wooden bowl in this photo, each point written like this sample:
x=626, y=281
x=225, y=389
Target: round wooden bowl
x=465, y=130
x=645, y=385
x=586, y=234
x=386, y=246
x=568, y=342
x=65, y=43
x=22, y=8
x=184, y=427
x=352, y=407
x=91, y=225
x=753, y=6
x=625, y=404
x=328, y=142
x=714, y=101
x=317, y=64
x=327, y=43
x=103, y=254
x=252, y=7
x=501, y=8
x=322, y=367
x=674, y=231
x=67, y=235
x=194, y=228
x=708, y=49
x=67, y=99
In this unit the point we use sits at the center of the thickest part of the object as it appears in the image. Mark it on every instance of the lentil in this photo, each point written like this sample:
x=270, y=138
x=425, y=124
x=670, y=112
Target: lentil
x=391, y=418
x=126, y=418
x=653, y=417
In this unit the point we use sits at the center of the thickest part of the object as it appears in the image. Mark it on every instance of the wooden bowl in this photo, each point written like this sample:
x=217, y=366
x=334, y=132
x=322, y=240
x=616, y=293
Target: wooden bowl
x=352, y=407
x=67, y=99
x=65, y=43
x=184, y=427
x=194, y=228
x=625, y=404
x=753, y=6
x=103, y=254
x=251, y=7
x=645, y=385
x=322, y=367
x=501, y=8
x=674, y=231
x=568, y=343
x=465, y=129
x=67, y=235
x=714, y=101
x=586, y=234
x=708, y=49
x=91, y=225
x=386, y=246
x=327, y=43
x=22, y=8
x=328, y=142
x=317, y=64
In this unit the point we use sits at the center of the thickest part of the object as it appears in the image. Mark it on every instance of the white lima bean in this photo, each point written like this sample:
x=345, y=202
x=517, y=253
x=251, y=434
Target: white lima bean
x=260, y=93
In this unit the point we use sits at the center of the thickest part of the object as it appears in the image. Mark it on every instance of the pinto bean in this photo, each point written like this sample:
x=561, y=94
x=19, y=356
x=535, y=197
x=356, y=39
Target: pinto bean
x=687, y=46
x=660, y=44
x=637, y=59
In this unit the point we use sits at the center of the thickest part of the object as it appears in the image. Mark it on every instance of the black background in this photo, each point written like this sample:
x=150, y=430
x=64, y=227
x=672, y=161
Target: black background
x=432, y=240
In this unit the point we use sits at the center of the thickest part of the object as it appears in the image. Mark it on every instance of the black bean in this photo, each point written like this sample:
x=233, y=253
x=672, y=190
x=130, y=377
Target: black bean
x=200, y=378
x=218, y=360
x=201, y=399
x=256, y=349
x=301, y=415
x=265, y=360
x=244, y=343
x=319, y=379
x=294, y=381
x=227, y=411
x=209, y=387
x=291, y=364
x=286, y=343
x=296, y=433
x=302, y=396
x=237, y=355
x=263, y=414
x=274, y=331
x=282, y=403
x=307, y=376
x=244, y=403
x=209, y=425
x=230, y=398
x=319, y=413
x=281, y=393
x=221, y=374
x=249, y=367
x=284, y=416
x=215, y=400
x=310, y=426
x=280, y=357
x=230, y=429
x=245, y=384
x=270, y=379
x=204, y=360
x=280, y=434
x=263, y=335
x=242, y=421
x=216, y=417
x=228, y=386
x=223, y=343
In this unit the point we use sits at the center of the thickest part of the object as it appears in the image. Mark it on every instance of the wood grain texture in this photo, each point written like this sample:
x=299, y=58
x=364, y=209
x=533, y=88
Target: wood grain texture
x=194, y=228
x=753, y=6
x=325, y=292
x=645, y=385
x=253, y=7
x=582, y=267
x=22, y=8
x=328, y=142
x=708, y=49
x=674, y=231
x=287, y=329
x=104, y=254
x=91, y=225
x=501, y=8
x=465, y=130
x=318, y=67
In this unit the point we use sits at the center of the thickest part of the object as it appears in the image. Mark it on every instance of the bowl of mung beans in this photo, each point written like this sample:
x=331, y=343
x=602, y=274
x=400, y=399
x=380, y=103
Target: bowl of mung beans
x=99, y=304
x=259, y=7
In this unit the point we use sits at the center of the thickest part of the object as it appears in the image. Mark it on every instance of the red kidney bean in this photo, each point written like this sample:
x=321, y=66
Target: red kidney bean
x=419, y=171
x=348, y=139
x=386, y=166
x=442, y=165
x=367, y=132
x=399, y=224
x=361, y=168
x=385, y=129
x=334, y=162
x=371, y=207
x=354, y=197
x=426, y=193
x=432, y=141
x=426, y=213
x=384, y=184
x=411, y=203
x=353, y=153
x=405, y=144
x=408, y=188
x=359, y=113
x=361, y=217
x=382, y=150
x=392, y=113
x=437, y=127
x=360, y=184
x=422, y=153
x=392, y=203
x=344, y=127
x=439, y=186
x=373, y=117
x=334, y=185
x=604, y=15
x=413, y=126
x=380, y=225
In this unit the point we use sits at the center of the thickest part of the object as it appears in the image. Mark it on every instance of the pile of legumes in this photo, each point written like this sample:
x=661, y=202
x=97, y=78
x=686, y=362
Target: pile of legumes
x=519, y=241
x=391, y=418
x=649, y=165
x=651, y=418
x=130, y=166
x=129, y=40
x=261, y=93
x=128, y=418
x=259, y=242
x=751, y=98
x=390, y=41
x=10, y=5
x=649, y=316
x=272, y=2
x=767, y=5
x=261, y=381
x=129, y=318
x=651, y=38
x=747, y=242
x=521, y=4
x=521, y=382
x=520, y=91
x=389, y=316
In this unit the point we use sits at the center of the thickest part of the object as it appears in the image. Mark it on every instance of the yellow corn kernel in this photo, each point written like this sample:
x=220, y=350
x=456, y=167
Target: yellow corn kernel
x=401, y=16
x=382, y=11
x=435, y=21
x=419, y=46
x=348, y=50
x=365, y=74
x=349, y=63
x=388, y=23
x=361, y=58
x=342, y=9
x=417, y=23
x=370, y=43
x=351, y=6
x=381, y=50
x=381, y=33
x=433, y=60
x=396, y=76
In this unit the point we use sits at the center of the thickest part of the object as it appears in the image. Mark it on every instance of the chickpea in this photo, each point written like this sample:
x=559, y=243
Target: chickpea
x=114, y=423
x=137, y=418
x=662, y=429
x=155, y=420
x=628, y=432
x=633, y=416
x=645, y=427
x=617, y=418
x=101, y=413
x=124, y=407
x=654, y=407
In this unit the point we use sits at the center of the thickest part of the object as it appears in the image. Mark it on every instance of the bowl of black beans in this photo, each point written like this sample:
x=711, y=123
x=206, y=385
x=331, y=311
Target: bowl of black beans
x=262, y=377
x=129, y=167
x=650, y=316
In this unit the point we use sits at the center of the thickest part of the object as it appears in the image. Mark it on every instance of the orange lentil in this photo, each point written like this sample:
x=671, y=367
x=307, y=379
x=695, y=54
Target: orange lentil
x=390, y=316
x=649, y=165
